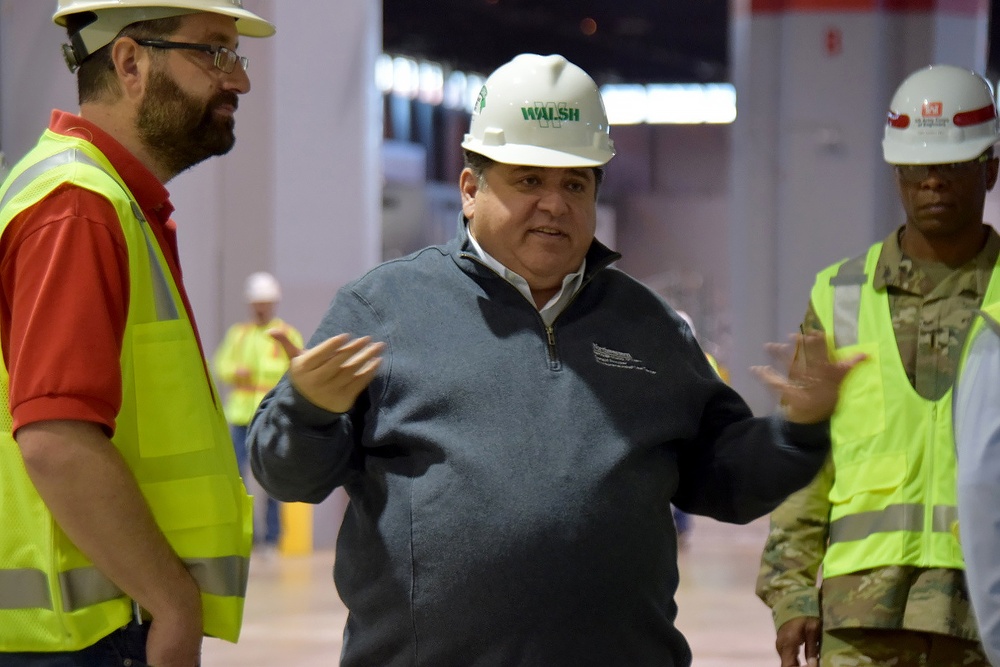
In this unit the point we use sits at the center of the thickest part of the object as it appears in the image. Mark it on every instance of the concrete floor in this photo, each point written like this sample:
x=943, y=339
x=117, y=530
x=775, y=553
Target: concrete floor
x=294, y=617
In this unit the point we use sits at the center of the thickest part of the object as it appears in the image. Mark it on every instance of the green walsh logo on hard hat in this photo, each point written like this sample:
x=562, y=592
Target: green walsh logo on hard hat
x=480, y=101
x=551, y=114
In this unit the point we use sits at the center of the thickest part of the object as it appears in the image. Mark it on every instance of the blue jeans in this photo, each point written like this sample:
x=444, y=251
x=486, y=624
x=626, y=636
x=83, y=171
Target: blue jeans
x=272, y=516
x=122, y=648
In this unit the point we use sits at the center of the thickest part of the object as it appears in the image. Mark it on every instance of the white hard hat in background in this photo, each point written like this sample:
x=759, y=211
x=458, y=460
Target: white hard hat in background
x=940, y=114
x=110, y=16
x=262, y=287
x=541, y=111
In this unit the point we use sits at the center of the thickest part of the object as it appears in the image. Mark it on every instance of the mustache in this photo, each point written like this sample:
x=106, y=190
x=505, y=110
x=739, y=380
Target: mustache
x=225, y=98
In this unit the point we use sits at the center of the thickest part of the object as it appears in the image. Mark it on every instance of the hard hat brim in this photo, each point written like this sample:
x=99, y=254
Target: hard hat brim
x=248, y=24
x=538, y=156
x=926, y=152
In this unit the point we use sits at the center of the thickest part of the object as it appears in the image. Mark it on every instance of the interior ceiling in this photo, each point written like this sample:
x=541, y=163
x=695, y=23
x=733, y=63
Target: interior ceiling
x=641, y=41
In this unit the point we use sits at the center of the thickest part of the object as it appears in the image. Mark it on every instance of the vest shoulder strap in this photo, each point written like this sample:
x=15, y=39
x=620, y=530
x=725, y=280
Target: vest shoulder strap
x=848, y=283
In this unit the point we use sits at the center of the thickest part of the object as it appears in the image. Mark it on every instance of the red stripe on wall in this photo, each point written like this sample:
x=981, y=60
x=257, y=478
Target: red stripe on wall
x=964, y=7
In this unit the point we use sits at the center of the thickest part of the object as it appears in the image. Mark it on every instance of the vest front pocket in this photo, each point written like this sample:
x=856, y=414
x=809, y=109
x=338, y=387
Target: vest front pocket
x=173, y=401
x=860, y=412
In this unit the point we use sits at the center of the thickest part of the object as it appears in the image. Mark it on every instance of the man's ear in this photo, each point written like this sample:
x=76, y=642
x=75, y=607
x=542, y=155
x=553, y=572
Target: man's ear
x=468, y=185
x=132, y=65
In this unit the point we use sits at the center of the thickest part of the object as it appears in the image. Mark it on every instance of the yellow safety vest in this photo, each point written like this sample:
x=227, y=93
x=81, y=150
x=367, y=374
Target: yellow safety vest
x=247, y=345
x=170, y=431
x=893, y=501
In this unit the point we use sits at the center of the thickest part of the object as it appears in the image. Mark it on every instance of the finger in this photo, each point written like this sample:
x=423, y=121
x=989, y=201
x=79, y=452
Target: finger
x=846, y=365
x=362, y=379
x=772, y=379
x=814, y=633
x=360, y=365
x=349, y=357
x=362, y=357
x=815, y=346
x=781, y=354
x=327, y=364
x=316, y=356
x=789, y=656
x=342, y=394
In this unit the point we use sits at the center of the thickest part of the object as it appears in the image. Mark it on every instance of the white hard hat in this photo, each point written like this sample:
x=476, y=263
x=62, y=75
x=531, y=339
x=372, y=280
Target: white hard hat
x=113, y=15
x=262, y=287
x=541, y=111
x=940, y=114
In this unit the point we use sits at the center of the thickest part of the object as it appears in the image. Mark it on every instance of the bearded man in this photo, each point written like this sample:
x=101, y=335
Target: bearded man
x=125, y=536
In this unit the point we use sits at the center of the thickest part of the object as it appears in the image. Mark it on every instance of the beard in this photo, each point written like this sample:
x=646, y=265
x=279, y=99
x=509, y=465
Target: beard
x=180, y=130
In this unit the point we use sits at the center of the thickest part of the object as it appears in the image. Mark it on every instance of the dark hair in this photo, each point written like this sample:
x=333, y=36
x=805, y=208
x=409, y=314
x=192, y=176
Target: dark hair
x=95, y=79
x=478, y=164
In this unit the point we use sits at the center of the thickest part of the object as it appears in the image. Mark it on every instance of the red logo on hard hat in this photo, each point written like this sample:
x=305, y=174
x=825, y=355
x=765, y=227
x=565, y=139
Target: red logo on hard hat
x=932, y=110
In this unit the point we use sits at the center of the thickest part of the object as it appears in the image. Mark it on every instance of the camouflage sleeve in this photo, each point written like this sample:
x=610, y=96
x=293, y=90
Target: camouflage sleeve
x=794, y=551
x=796, y=543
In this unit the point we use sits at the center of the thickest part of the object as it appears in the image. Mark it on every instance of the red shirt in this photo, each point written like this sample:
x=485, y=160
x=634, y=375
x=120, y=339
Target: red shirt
x=64, y=290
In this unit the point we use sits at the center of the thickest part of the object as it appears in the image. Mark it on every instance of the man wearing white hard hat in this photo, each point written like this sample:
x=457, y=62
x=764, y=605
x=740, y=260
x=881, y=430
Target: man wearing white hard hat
x=126, y=533
x=252, y=357
x=881, y=520
x=512, y=417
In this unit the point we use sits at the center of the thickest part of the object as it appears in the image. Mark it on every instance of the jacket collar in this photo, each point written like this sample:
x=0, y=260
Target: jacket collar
x=599, y=256
x=897, y=270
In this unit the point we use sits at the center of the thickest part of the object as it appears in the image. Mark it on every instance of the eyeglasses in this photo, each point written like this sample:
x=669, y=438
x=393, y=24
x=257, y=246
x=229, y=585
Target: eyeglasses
x=918, y=173
x=224, y=59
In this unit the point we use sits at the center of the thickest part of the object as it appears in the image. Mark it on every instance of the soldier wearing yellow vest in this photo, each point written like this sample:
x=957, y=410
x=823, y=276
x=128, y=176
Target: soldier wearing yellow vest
x=126, y=527
x=881, y=517
x=251, y=359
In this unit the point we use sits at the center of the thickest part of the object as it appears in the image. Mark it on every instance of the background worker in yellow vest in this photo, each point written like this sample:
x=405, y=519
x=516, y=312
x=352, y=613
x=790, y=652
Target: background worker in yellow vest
x=251, y=359
x=125, y=533
x=682, y=520
x=881, y=517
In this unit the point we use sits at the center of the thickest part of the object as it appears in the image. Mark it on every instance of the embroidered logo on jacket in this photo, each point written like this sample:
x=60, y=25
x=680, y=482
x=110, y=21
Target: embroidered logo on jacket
x=616, y=359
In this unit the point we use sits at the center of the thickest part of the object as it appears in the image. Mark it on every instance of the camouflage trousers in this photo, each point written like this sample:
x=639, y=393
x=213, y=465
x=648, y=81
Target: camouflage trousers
x=857, y=647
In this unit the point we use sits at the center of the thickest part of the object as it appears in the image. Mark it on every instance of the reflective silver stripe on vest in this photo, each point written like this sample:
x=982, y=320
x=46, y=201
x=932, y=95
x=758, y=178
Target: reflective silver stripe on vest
x=24, y=589
x=84, y=587
x=166, y=309
x=87, y=586
x=945, y=516
x=34, y=171
x=847, y=285
x=908, y=516
x=225, y=576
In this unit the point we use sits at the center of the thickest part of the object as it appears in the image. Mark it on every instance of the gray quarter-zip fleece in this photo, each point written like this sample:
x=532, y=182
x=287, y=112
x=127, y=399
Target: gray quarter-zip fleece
x=510, y=483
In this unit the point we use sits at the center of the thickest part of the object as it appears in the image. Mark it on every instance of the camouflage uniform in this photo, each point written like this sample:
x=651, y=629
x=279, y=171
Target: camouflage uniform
x=931, y=309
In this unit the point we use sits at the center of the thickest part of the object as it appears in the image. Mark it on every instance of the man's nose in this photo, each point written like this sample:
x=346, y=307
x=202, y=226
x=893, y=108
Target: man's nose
x=553, y=201
x=238, y=80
